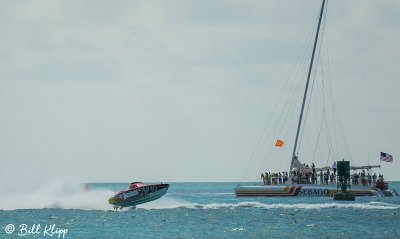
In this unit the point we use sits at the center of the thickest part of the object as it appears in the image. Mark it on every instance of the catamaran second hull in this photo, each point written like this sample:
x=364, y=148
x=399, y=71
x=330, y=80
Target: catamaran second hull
x=306, y=190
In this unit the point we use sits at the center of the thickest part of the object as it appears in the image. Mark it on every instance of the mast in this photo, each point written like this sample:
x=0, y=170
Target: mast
x=306, y=89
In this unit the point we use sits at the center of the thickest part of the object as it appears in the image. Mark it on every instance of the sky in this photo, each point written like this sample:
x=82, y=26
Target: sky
x=165, y=91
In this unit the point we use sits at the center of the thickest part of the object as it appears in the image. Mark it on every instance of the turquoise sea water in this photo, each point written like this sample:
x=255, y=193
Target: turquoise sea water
x=197, y=210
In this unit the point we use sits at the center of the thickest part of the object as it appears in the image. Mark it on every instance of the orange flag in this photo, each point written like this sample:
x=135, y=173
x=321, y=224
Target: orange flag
x=279, y=143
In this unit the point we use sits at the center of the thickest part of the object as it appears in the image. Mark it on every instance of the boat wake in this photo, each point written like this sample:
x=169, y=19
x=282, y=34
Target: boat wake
x=55, y=194
x=166, y=202
x=170, y=203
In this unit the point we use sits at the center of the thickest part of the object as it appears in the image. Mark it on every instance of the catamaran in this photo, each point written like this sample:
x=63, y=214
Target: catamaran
x=306, y=187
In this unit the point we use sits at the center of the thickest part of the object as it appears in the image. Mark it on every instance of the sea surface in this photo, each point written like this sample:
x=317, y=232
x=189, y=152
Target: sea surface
x=194, y=210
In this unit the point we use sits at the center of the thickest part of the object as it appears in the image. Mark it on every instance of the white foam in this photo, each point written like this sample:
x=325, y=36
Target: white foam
x=55, y=194
x=174, y=203
x=166, y=203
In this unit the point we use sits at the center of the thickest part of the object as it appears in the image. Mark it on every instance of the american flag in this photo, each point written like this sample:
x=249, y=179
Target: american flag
x=386, y=157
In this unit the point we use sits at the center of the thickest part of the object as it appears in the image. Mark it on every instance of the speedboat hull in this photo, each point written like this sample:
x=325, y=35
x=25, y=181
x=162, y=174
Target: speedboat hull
x=140, y=195
x=306, y=190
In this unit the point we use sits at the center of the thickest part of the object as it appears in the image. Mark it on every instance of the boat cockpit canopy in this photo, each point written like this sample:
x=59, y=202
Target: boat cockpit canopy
x=136, y=185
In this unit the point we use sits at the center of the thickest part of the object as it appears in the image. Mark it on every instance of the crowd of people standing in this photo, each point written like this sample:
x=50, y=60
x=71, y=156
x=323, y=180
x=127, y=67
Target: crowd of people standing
x=366, y=179
x=312, y=177
x=297, y=177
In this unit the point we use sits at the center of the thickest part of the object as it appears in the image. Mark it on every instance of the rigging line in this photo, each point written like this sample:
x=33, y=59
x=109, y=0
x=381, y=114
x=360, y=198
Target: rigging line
x=289, y=104
x=300, y=57
x=325, y=113
x=281, y=123
x=323, y=122
x=329, y=87
x=329, y=138
x=341, y=131
x=313, y=80
x=261, y=139
x=257, y=148
x=285, y=111
x=335, y=123
x=329, y=142
x=297, y=93
x=294, y=105
x=281, y=158
x=314, y=27
x=289, y=108
x=306, y=88
x=308, y=102
x=293, y=122
x=323, y=118
x=311, y=91
x=330, y=99
x=334, y=142
x=252, y=157
x=344, y=139
x=340, y=128
x=265, y=128
x=320, y=123
x=339, y=124
x=335, y=112
x=335, y=136
x=294, y=93
x=315, y=149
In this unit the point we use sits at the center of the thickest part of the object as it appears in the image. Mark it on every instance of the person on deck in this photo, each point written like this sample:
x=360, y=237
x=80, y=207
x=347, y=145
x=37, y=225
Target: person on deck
x=380, y=178
x=284, y=177
x=334, y=166
x=363, y=181
x=369, y=179
x=313, y=177
x=296, y=177
x=331, y=177
x=321, y=175
x=326, y=177
x=269, y=177
x=374, y=178
x=356, y=179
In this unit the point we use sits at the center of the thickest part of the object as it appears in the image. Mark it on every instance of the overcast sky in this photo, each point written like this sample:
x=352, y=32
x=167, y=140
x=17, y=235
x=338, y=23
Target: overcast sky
x=111, y=91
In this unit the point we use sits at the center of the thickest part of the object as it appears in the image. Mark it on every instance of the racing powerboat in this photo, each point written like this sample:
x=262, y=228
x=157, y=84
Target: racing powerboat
x=138, y=193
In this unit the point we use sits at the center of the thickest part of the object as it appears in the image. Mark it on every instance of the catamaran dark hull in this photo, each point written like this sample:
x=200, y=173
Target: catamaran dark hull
x=136, y=196
x=307, y=190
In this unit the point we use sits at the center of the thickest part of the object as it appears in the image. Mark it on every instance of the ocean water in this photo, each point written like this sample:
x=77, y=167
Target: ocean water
x=193, y=210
